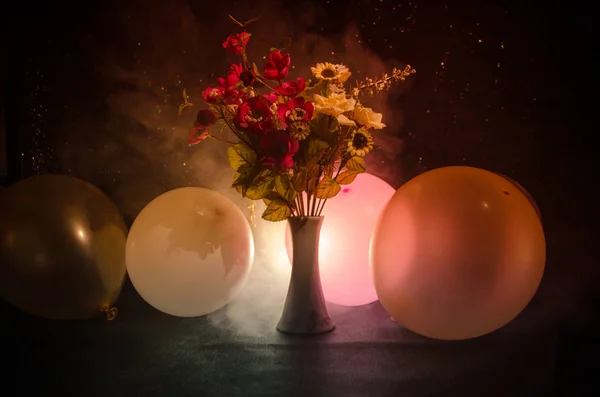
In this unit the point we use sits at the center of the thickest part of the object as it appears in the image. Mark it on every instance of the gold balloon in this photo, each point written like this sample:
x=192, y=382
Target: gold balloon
x=62, y=248
x=457, y=253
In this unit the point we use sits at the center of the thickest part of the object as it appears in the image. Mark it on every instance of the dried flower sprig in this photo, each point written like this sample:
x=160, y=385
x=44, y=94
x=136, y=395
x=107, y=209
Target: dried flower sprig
x=371, y=86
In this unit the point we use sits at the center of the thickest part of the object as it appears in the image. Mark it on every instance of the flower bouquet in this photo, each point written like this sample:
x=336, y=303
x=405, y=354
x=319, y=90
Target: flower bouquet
x=297, y=142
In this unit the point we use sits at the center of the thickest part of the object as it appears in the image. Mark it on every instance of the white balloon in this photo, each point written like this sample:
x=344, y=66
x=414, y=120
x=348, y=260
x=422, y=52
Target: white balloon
x=350, y=218
x=189, y=252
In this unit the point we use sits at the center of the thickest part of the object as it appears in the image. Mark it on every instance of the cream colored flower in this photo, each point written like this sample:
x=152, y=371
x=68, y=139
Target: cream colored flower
x=335, y=89
x=344, y=120
x=330, y=71
x=367, y=117
x=334, y=105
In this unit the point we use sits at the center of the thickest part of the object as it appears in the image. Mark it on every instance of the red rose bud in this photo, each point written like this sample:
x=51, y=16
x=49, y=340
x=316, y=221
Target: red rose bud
x=236, y=43
x=278, y=66
x=248, y=77
x=291, y=88
x=205, y=118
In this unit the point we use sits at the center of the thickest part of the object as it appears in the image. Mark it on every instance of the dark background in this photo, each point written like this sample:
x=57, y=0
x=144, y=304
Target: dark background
x=79, y=85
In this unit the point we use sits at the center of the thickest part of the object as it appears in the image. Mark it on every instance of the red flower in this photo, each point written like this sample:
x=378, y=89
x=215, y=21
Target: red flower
x=278, y=66
x=271, y=97
x=212, y=94
x=205, y=118
x=197, y=135
x=291, y=88
x=234, y=97
x=254, y=115
x=248, y=77
x=201, y=130
x=233, y=74
x=277, y=149
x=296, y=110
x=236, y=43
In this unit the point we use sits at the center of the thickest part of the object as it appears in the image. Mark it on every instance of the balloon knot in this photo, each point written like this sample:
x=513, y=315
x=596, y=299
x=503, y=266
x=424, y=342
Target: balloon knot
x=111, y=313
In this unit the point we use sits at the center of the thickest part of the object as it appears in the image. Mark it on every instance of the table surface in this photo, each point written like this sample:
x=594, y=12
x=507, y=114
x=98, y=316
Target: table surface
x=146, y=353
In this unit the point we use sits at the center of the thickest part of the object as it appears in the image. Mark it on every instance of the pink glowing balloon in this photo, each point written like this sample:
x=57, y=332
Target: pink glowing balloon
x=350, y=218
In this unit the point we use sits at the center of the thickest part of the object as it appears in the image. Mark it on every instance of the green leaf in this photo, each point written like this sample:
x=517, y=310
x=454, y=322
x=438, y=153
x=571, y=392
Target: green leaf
x=243, y=178
x=327, y=188
x=284, y=188
x=282, y=184
x=327, y=128
x=253, y=183
x=240, y=155
x=239, y=179
x=346, y=177
x=255, y=69
x=277, y=210
x=299, y=179
x=316, y=148
x=313, y=171
x=356, y=164
x=260, y=186
x=271, y=197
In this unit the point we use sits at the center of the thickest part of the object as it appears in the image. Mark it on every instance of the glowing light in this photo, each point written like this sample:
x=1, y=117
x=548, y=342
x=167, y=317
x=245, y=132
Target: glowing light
x=189, y=252
x=350, y=219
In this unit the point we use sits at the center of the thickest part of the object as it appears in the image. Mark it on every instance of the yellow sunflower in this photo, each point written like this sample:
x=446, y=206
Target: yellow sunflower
x=330, y=71
x=360, y=143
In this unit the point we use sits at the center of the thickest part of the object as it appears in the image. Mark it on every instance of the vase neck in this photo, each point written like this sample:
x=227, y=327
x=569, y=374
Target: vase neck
x=312, y=223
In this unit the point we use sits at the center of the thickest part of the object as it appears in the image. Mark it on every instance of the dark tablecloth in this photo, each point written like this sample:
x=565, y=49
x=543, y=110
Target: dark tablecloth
x=146, y=353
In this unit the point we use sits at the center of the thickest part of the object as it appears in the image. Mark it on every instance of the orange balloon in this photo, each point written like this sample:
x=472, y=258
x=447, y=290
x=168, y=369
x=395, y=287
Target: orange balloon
x=457, y=253
x=526, y=194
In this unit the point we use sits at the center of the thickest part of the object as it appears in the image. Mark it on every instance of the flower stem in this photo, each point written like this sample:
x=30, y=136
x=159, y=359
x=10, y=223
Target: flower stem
x=222, y=140
x=314, y=203
x=342, y=165
x=231, y=127
x=266, y=85
x=299, y=204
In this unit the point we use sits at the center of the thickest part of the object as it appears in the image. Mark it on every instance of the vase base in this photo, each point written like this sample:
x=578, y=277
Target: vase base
x=322, y=327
